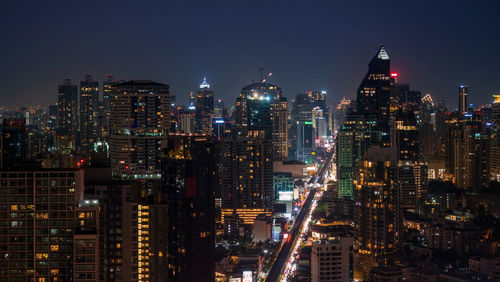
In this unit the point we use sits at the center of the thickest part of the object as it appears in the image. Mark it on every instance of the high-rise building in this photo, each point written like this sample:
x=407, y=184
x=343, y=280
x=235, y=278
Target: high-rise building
x=495, y=140
x=188, y=182
x=369, y=124
x=262, y=107
x=467, y=156
x=37, y=233
x=220, y=111
x=89, y=102
x=412, y=171
x=320, y=125
x=67, y=116
x=88, y=265
x=279, y=115
x=318, y=100
x=374, y=93
x=140, y=119
x=14, y=142
x=107, y=88
x=247, y=179
x=406, y=136
x=204, y=108
x=187, y=121
x=356, y=135
x=332, y=259
x=301, y=129
x=133, y=241
x=412, y=186
x=463, y=92
x=340, y=111
x=375, y=206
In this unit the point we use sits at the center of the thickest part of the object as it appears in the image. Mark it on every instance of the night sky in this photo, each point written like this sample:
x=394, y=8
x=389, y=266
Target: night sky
x=323, y=45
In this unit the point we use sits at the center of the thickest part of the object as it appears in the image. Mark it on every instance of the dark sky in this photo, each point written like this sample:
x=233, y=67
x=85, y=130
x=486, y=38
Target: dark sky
x=434, y=45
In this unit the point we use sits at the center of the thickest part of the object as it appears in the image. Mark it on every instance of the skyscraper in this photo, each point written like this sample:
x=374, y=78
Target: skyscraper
x=204, y=108
x=37, y=235
x=375, y=206
x=247, y=179
x=495, y=140
x=140, y=119
x=14, y=142
x=318, y=100
x=188, y=182
x=463, y=92
x=374, y=93
x=67, y=116
x=107, y=88
x=369, y=124
x=467, y=156
x=340, y=111
x=301, y=129
x=262, y=107
x=89, y=100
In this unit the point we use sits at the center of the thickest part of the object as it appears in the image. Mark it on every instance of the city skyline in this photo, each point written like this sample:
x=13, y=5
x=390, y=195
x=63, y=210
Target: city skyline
x=245, y=142
x=327, y=50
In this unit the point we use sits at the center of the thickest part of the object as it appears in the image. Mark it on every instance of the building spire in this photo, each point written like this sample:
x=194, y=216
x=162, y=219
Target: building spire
x=204, y=84
x=381, y=54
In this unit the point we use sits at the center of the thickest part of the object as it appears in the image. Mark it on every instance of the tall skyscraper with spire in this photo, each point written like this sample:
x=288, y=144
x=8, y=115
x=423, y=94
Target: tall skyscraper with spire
x=374, y=91
x=463, y=92
x=368, y=124
x=204, y=113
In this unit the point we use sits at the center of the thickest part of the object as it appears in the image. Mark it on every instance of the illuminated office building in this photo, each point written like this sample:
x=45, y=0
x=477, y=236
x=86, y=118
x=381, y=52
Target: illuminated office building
x=204, y=108
x=320, y=125
x=140, y=119
x=107, y=88
x=301, y=129
x=67, y=116
x=495, y=140
x=369, y=124
x=247, y=179
x=463, y=92
x=187, y=121
x=374, y=93
x=406, y=136
x=375, y=206
x=262, y=107
x=340, y=112
x=412, y=175
x=220, y=111
x=318, y=100
x=467, y=156
x=188, y=182
x=356, y=135
x=89, y=102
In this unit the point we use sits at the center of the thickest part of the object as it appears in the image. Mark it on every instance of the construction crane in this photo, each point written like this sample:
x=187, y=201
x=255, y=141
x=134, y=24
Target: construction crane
x=262, y=80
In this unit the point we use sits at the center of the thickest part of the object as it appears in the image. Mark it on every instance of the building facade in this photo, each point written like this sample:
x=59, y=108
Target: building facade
x=89, y=103
x=140, y=120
